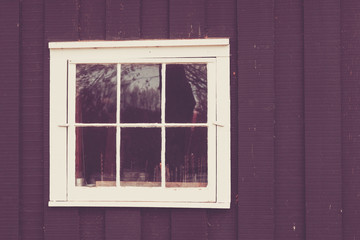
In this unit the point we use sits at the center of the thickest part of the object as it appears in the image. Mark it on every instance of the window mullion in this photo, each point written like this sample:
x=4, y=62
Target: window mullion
x=118, y=129
x=163, y=135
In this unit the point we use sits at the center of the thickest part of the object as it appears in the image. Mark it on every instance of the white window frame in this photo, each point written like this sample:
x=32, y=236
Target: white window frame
x=64, y=56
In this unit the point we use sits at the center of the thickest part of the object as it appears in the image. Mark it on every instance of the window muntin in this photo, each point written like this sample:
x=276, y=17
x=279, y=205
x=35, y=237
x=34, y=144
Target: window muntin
x=152, y=124
x=217, y=189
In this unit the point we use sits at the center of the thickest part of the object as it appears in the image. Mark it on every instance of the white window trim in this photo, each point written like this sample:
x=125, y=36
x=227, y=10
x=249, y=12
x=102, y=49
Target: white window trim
x=63, y=55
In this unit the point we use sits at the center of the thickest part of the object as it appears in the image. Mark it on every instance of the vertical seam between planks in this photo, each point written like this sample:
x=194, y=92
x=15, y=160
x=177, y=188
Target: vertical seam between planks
x=304, y=117
x=274, y=118
x=20, y=119
x=140, y=19
x=168, y=19
x=43, y=117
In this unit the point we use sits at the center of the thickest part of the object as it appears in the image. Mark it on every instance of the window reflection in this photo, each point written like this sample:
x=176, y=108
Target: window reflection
x=186, y=93
x=95, y=93
x=140, y=157
x=140, y=93
x=95, y=156
x=186, y=157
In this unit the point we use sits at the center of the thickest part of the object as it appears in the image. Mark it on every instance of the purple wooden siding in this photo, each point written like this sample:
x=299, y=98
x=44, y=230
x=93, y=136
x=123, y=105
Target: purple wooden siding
x=295, y=91
x=322, y=90
x=350, y=73
x=9, y=120
x=289, y=121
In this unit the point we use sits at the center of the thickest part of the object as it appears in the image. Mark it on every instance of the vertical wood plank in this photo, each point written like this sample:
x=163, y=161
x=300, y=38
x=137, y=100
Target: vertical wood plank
x=155, y=224
x=154, y=24
x=92, y=224
x=154, y=19
x=123, y=19
x=187, y=19
x=32, y=172
x=221, y=22
x=350, y=72
x=322, y=119
x=123, y=224
x=9, y=120
x=256, y=119
x=123, y=22
x=190, y=224
x=92, y=18
x=289, y=143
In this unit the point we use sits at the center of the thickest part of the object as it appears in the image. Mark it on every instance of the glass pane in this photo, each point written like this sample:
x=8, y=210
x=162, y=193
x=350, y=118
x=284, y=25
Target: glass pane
x=140, y=93
x=140, y=157
x=95, y=156
x=186, y=93
x=95, y=93
x=186, y=157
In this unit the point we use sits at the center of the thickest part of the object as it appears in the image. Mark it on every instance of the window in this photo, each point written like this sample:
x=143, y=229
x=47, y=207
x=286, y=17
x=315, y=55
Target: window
x=140, y=123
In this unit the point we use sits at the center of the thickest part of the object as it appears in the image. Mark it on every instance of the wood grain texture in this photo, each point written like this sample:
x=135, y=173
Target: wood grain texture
x=154, y=19
x=92, y=224
x=155, y=224
x=123, y=224
x=256, y=119
x=123, y=19
x=187, y=19
x=92, y=19
x=9, y=120
x=322, y=120
x=350, y=72
x=31, y=120
x=190, y=224
x=61, y=24
x=221, y=22
x=289, y=128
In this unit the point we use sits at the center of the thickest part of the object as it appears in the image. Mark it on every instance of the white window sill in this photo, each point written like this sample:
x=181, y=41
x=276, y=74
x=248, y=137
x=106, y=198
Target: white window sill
x=221, y=205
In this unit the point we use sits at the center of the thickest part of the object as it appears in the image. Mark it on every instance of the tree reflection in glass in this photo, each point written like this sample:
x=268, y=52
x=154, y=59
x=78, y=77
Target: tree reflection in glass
x=95, y=93
x=186, y=93
x=140, y=93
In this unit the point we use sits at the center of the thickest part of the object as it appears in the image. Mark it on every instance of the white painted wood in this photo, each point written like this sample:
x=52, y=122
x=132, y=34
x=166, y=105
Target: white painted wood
x=223, y=132
x=213, y=52
x=118, y=129
x=141, y=60
x=71, y=129
x=131, y=125
x=141, y=43
x=211, y=99
x=163, y=130
x=157, y=204
x=58, y=86
x=138, y=55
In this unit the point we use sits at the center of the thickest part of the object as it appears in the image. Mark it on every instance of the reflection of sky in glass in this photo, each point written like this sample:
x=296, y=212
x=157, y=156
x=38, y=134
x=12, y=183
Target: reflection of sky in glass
x=140, y=86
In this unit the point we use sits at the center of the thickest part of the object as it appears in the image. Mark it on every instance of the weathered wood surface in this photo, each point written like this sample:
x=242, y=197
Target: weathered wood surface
x=294, y=114
x=9, y=120
x=322, y=92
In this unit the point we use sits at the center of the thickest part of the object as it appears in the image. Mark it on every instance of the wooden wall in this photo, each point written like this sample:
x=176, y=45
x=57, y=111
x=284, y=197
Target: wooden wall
x=295, y=92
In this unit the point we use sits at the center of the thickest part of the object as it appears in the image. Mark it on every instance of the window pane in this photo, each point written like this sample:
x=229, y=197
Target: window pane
x=140, y=157
x=140, y=93
x=95, y=93
x=95, y=156
x=186, y=157
x=186, y=93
